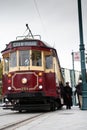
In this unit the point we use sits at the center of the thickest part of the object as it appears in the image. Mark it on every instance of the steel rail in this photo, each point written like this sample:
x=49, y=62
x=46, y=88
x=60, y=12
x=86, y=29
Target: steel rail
x=20, y=123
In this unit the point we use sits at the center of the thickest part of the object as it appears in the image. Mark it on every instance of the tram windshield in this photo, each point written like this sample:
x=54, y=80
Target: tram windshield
x=24, y=57
x=36, y=58
x=28, y=59
x=6, y=64
x=13, y=59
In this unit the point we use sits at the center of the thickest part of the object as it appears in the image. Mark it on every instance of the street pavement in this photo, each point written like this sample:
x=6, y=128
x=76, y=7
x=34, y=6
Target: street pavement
x=71, y=119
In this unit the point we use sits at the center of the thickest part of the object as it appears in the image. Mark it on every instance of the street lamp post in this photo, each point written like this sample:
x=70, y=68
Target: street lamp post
x=82, y=55
x=73, y=81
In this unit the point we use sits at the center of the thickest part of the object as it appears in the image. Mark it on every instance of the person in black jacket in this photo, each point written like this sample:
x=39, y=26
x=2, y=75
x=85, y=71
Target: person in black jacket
x=63, y=96
x=78, y=91
x=68, y=94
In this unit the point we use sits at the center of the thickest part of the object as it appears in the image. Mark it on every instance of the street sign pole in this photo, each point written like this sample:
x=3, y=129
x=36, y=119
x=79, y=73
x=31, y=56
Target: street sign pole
x=73, y=81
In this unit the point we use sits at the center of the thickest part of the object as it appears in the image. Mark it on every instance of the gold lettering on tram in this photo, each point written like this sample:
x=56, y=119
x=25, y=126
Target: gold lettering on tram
x=24, y=88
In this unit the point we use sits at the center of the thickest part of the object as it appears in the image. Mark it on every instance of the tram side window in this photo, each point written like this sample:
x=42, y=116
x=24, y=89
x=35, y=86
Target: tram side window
x=49, y=62
x=13, y=59
x=6, y=64
x=36, y=58
x=24, y=57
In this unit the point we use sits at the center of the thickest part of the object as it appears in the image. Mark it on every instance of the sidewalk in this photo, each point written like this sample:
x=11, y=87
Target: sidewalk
x=73, y=119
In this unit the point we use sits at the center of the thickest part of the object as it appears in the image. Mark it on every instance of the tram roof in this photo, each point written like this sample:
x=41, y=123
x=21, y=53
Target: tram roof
x=27, y=42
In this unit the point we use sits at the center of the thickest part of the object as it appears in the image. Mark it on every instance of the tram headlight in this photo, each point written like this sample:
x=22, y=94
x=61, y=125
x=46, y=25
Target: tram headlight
x=24, y=80
x=40, y=87
x=9, y=88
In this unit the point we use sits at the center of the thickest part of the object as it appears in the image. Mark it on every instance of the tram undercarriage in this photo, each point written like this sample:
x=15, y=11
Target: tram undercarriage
x=32, y=102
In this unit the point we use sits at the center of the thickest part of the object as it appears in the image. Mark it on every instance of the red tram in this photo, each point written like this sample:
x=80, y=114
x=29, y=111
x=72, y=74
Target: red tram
x=31, y=75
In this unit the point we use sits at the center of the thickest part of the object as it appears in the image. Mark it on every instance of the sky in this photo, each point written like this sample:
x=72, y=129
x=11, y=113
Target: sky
x=55, y=20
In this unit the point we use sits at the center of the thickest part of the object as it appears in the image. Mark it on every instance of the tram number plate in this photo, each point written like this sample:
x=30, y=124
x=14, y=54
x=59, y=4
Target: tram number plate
x=24, y=88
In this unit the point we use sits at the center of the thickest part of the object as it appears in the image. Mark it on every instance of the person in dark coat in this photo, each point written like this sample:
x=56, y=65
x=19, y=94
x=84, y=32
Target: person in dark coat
x=68, y=96
x=62, y=92
x=78, y=91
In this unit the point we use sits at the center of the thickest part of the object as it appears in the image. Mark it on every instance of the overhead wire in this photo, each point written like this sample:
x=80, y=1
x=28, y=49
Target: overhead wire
x=36, y=6
x=43, y=26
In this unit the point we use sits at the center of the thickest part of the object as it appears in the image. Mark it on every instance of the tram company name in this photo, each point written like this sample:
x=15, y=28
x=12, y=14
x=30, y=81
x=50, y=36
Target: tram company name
x=29, y=43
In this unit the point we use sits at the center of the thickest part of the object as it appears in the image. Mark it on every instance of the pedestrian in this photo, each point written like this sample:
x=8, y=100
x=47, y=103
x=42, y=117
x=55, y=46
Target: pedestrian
x=78, y=91
x=68, y=95
x=62, y=91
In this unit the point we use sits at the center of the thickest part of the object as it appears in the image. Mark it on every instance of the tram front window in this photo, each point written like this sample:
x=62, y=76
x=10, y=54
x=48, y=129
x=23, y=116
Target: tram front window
x=24, y=57
x=36, y=58
x=13, y=59
x=6, y=64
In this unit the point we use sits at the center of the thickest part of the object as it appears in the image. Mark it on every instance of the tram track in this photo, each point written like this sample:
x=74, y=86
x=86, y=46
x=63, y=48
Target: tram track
x=16, y=124
x=6, y=114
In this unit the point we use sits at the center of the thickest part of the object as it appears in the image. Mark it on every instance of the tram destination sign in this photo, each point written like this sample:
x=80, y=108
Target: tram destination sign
x=24, y=43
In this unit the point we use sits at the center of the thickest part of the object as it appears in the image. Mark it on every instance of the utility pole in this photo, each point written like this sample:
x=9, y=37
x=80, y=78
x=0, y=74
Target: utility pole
x=82, y=57
x=74, y=81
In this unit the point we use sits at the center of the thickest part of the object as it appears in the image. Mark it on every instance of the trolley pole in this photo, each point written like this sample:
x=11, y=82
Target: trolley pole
x=82, y=56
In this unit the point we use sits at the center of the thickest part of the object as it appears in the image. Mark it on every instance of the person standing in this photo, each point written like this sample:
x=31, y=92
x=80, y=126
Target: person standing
x=68, y=96
x=78, y=91
x=62, y=92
